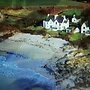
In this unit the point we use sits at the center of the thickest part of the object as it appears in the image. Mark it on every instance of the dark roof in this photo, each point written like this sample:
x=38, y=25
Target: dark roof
x=59, y=19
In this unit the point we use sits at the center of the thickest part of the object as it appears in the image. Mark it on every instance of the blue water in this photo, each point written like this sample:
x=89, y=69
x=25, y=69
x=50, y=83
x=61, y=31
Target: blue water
x=13, y=77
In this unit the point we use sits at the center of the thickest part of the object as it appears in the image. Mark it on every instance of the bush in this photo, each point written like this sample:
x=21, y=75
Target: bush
x=63, y=35
x=76, y=37
x=39, y=31
x=29, y=20
x=84, y=43
x=34, y=30
x=52, y=33
x=80, y=40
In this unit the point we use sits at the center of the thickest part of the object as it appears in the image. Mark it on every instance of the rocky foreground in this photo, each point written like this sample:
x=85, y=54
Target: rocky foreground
x=73, y=70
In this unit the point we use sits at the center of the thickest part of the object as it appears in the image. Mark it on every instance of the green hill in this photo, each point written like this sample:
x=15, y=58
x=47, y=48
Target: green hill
x=38, y=3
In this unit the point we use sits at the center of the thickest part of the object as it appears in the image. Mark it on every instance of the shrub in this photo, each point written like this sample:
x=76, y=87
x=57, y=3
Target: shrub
x=84, y=43
x=34, y=30
x=79, y=40
x=63, y=34
x=76, y=37
x=29, y=20
x=52, y=33
x=40, y=31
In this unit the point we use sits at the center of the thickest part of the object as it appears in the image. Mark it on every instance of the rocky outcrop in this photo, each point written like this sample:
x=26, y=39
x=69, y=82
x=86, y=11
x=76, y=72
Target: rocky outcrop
x=6, y=31
x=73, y=70
x=2, y=18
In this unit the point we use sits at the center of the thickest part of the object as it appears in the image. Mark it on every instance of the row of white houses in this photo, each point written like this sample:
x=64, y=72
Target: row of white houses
x=56, y=22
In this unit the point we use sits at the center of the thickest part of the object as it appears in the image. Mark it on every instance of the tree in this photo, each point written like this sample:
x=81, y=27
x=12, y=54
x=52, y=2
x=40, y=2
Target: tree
x=82, y=0
x=85, y=14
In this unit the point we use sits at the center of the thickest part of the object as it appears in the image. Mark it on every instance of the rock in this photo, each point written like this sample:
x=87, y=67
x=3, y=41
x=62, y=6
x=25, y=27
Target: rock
x=79, y=54
x=1, y=17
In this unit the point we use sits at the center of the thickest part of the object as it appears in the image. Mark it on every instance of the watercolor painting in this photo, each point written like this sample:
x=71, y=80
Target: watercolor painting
x=44, y=44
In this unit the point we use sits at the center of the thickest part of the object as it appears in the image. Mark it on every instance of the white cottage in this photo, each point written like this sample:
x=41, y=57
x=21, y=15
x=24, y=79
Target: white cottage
x=85, y=28
x=74, y=19
x=56, y=22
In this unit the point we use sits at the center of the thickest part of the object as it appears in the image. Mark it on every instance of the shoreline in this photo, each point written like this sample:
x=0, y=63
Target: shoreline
x=33, y=44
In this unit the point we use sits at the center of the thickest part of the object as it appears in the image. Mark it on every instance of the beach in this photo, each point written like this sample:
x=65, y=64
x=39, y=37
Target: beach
x=25, y=55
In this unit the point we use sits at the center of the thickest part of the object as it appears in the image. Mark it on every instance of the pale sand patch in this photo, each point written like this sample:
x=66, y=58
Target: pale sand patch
x=33, y=46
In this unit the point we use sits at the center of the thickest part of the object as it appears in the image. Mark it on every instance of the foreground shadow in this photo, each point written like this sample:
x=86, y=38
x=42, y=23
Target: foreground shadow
x=27, y=84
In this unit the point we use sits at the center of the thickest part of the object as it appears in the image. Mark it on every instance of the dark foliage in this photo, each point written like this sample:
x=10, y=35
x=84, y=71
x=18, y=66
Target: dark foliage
x=85, y=14
x=84, y=43
x=82, y=0
x=35, y=32
x=8, y=28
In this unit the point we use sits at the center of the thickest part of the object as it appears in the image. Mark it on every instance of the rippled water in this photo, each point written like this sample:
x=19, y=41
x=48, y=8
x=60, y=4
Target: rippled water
x=20, y=76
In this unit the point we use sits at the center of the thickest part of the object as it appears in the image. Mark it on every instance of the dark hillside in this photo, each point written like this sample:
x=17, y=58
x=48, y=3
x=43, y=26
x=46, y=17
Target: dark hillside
x=25, y=3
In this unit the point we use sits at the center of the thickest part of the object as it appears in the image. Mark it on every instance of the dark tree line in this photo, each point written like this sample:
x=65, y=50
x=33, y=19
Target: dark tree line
x=85, y=14
x=82, y=0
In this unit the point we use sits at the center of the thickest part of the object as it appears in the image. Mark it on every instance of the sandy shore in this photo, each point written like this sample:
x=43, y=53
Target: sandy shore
x=33, y=46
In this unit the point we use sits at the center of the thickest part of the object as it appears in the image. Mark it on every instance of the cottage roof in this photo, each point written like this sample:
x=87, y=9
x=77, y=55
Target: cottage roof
x=52, y=17
x=59, y=19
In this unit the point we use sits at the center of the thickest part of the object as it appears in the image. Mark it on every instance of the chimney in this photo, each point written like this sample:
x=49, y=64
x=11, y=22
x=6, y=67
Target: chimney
x=64, y=17
x=74, y=16
x=48, y=15
x=55, y=16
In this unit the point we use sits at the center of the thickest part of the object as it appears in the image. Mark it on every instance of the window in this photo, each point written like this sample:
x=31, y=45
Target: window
x=84, y=32
x=65, y=21
x=88, y=32
x=56, y=22
x=67, y=31
x=83, y=27
x=51, y=27
x=64, y=27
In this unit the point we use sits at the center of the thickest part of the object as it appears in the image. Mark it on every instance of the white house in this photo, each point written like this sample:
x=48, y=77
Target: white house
x=56, y=22
x=74, y=19
x=85, y=28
